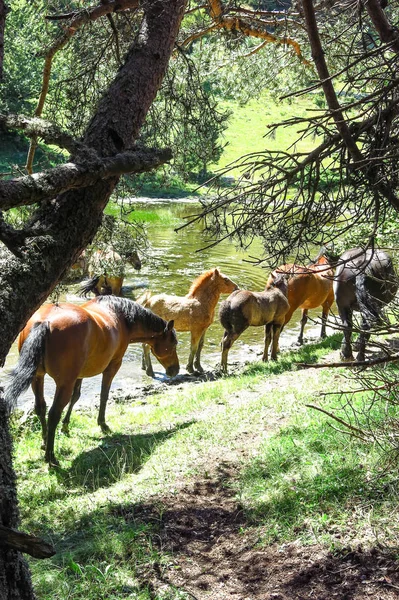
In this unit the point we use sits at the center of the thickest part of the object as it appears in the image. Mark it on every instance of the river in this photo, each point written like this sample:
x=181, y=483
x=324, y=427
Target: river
x=174, y=260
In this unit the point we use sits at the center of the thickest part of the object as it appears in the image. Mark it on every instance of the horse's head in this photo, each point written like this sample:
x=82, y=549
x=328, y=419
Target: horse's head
x=134, y=259
x=278, y=281
x=163, y=347
x=225, y=284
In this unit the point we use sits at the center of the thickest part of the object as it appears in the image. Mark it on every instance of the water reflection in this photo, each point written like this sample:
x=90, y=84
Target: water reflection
x=177, y=258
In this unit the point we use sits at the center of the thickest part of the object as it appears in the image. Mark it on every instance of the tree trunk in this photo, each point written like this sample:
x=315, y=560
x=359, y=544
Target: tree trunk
x=64, y=226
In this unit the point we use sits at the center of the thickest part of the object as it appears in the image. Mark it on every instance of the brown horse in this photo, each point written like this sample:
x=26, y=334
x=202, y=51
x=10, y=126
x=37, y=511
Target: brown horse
x=106, y=271
x=308, y=287
x=71, y=342
x=243, y=308
x=194, y=312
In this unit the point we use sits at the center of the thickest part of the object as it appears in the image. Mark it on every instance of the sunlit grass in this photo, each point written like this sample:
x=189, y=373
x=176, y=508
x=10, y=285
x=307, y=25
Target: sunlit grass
x=297, y=478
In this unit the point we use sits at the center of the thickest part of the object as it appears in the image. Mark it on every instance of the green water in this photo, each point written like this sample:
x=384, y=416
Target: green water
x=173, y=261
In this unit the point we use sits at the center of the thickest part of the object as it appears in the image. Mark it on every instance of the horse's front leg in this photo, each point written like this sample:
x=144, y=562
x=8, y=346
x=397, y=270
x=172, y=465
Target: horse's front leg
x=276, y=330
x=346, y=348
x=268, y=339
x=146, y=364
x=108, y=376
x=72, y=402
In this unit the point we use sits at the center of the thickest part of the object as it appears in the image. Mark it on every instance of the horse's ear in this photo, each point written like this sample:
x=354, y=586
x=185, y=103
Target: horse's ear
x=216, y=272
x=273, y=275
x=170, y=325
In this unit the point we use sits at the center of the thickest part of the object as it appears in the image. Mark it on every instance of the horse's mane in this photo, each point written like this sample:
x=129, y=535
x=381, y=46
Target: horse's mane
x=201, y=279
x=132, y=311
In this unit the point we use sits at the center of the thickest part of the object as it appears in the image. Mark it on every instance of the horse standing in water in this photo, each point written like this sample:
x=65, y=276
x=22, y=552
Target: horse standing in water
x=106, y=271
x=365, y=281
x=194, y=312
x=243, y=308
x=71, y=342
x=308, y=287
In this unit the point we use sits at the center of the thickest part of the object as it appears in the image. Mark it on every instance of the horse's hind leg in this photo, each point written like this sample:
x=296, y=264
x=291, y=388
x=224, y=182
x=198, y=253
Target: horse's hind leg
x=40, y=405
x=227, y=342
x=197, y=341
x=197, y=360
x=62, y=396
x=364, y=337
x=346, y=348
x=304, y=320
x=108, y=376
x=74, y=399
x=146, y=364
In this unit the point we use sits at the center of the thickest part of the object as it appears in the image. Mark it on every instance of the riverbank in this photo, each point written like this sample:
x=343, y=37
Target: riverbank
x=225, y=488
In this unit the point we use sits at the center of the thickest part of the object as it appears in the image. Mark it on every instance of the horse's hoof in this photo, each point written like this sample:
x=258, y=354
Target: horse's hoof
x=105, y=429
x=190, y=369
x=52, y=462
x=65, y=429
x=150, y=373
x=198, y=369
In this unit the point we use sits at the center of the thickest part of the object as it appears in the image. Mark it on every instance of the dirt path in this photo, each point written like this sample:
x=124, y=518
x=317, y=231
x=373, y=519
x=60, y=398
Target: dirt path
x=215, y=553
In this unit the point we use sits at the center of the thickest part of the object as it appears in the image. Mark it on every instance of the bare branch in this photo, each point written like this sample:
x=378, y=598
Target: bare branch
x=351, y=364
x=385, y=30
x=50, y=133
x=360, y=432
x=218, y=14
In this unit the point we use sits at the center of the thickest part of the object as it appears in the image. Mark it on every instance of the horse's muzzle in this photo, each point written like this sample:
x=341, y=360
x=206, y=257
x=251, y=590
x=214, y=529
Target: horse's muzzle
x=172, y=371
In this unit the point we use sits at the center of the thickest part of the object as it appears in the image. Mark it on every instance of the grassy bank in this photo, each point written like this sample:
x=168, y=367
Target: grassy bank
x=296, y=478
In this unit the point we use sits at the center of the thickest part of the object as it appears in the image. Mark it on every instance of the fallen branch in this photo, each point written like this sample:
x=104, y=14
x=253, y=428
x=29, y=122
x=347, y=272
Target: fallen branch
x=351, y=363
x=17, y=540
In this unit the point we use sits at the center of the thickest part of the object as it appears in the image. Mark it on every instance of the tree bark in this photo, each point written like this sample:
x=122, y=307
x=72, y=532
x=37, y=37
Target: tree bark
x=70, y=222
x=3, y=13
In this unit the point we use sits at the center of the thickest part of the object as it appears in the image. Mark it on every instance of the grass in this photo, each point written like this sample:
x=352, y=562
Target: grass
x=248, y=129
x=300, y=478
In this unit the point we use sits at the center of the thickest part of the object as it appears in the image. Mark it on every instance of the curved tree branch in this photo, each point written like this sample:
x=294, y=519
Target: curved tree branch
x=219, y=16
x=39, y=187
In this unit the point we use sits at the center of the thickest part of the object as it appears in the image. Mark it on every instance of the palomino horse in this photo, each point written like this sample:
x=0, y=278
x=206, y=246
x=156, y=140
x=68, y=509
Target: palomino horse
x=71, y=342
x=106, y=271
x=243, y=308
x=365, y=281
x=194, y=312
x=308, y=287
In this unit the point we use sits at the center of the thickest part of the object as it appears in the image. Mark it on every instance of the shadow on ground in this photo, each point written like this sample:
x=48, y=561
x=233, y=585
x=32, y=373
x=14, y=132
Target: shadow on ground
x=216, y=554
x=115, y=456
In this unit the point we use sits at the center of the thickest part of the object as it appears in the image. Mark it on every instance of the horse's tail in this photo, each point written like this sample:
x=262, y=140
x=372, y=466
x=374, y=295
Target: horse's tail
x=144, y=298
x=89, y=285
x=30, y=358
x=368, y=305
x=225, y=315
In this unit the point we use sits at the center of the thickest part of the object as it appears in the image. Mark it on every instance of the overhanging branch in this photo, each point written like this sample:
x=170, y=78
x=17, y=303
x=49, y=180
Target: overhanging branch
x=47, y=131
x=39, y=187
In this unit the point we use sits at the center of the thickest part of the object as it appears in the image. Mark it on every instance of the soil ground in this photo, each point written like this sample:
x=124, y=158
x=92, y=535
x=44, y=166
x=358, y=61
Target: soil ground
x=216, y=553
